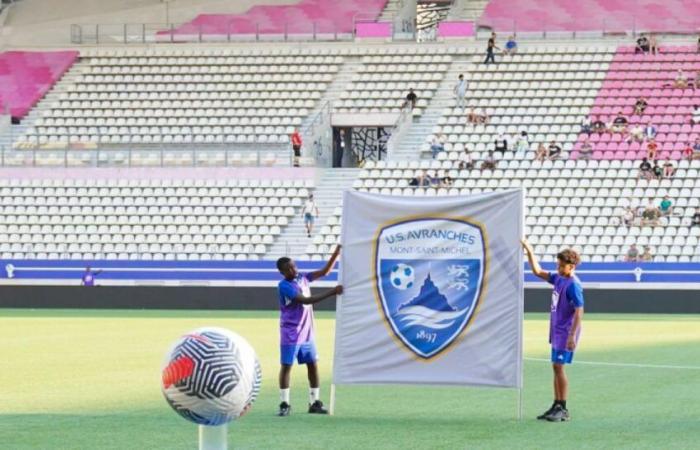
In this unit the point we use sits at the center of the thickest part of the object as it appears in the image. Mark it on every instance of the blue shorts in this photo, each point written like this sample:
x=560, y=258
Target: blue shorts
x=562, y=356
x=305, y=353
x=308, y=218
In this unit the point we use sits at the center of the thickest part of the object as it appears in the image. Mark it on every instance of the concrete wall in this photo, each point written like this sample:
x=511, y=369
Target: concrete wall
x=262, y=298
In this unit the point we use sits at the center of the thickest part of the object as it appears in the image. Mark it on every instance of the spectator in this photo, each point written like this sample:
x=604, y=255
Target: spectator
x=296, y=146
x=653, y=45
x=418, y=180
x=511, y=46
x=632, y=254
x=433, y=179
x=696, y=148
x=465, y=160
x=650, y=131
x=586, y=150
x=586, y=125
x=636, y=133
x=475, y=116
x=446, y=181
x=651, y=214
x=599, y=126
x=646, y=256
x=501, y=143
x=522, y=144
x=669, y=169
x=88, y=278
x=411, y=99
x=490, y=47
x=490, y=162
x=541, y=153
x=688, y=152
x=640, y=105
x=695, y=118
x=642, y=45
x=652, y=148
x=619, y=123
x=657, y=170
x=553, y=151
x=695, y=220
x=628, y=217
x=437, y=145
x=645, y=170
x=666, y=206
x=460, y=91
x=310, y=213
x=680, y=82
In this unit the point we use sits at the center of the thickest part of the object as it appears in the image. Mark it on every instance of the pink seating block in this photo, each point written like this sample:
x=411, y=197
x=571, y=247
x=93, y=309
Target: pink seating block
x=25, y=77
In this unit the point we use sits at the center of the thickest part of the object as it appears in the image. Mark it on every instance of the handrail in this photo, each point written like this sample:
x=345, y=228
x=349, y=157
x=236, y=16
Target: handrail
x=401, y=126
x=314, y=131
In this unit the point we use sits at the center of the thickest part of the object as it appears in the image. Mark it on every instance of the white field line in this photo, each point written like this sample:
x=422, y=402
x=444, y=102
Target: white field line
x=642, y=366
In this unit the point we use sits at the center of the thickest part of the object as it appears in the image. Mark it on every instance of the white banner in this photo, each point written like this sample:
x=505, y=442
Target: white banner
x=433, y=290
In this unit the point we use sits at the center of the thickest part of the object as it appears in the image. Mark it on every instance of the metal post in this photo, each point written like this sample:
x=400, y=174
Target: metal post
x=314, y=24
x=257, y=31
x=97, y=34
x=285, y=31
x=200, y=32
x=143, y=33
x=228, y=32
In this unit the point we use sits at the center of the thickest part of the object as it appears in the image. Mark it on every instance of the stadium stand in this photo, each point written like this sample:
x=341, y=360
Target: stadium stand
x=382, y=82
x=571, y=16
x=581, y=206
x=632, y=76
x=224, y=214
x=309, y=17
x=183, y=97
x=26, y=76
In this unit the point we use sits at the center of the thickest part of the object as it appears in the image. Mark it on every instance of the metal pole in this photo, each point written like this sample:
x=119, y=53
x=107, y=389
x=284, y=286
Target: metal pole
x=143, y=33
x=314, y=24
x=97, y=34
x=125, y=40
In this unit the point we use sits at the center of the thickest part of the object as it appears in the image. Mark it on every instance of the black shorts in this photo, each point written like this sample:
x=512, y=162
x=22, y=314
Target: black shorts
x=297, y=150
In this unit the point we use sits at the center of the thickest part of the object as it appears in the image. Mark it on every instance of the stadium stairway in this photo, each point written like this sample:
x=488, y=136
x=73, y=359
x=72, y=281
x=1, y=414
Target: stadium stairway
x=328, y=195
x=409, y=147
x=390, y=10
x=467, y=9
x=340, y=83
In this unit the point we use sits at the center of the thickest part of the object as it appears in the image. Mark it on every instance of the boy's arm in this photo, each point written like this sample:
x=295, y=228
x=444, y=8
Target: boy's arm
x=320, y=297
x=328, y=267
x=532, y=259
x=571, y=340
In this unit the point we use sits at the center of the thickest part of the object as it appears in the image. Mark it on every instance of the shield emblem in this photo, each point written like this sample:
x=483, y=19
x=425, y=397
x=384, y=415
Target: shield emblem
x=429, y=274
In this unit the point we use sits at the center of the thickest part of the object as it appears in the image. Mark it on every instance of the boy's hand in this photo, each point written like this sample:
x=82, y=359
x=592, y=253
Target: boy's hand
x=337, y=249
x=338, y=290
x=571, y=344
x=526, y=245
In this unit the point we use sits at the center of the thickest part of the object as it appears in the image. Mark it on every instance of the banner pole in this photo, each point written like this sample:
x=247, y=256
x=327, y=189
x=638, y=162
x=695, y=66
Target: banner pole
x=521, y=307
x=331, y=410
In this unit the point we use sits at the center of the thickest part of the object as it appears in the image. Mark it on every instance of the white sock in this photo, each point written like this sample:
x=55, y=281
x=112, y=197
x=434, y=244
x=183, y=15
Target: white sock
x=314, y=394
x=284, y=395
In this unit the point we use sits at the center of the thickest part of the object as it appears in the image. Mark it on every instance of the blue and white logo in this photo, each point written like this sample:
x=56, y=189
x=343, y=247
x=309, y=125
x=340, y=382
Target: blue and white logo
x=430, y=273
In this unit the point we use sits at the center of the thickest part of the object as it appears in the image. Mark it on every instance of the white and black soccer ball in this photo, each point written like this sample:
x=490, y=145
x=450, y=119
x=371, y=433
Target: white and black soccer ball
x=211, y=376
x=402, y=276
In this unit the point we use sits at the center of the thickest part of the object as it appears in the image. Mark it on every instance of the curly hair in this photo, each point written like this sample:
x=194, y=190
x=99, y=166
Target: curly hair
x=569, y=256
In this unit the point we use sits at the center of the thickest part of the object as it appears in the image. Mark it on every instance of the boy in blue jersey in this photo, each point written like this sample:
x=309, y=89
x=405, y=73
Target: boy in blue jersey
x=564, y=322
x=297, y=328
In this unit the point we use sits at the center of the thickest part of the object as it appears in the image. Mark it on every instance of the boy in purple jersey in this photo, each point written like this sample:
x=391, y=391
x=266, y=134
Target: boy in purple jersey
x=88, y=278
x=297, y=328
x=564, y=323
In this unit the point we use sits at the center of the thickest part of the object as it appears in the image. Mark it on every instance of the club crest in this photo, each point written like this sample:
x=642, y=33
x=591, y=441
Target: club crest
x=429, y=278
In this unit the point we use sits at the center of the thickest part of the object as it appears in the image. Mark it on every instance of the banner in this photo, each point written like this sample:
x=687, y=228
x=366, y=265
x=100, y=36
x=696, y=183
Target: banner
x=433, y=290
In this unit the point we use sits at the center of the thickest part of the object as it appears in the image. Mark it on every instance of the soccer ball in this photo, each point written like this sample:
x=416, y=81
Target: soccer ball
x=211, y=376
x=402, y=276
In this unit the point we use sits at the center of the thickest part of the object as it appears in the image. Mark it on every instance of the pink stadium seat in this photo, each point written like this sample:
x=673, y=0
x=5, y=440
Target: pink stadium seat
x=25, y=77
x=669, y=109
x=583, y=15
x=321, y=16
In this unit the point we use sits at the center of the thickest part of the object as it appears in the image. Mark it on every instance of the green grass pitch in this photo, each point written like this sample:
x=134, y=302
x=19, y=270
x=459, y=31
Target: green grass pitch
x=90, y=380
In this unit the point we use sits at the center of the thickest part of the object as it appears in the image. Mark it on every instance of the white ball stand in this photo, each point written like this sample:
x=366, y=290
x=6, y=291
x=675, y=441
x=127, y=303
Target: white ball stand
x=213, y=438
